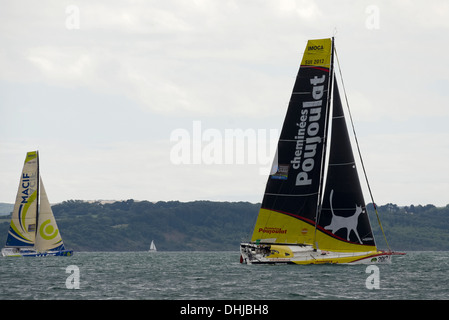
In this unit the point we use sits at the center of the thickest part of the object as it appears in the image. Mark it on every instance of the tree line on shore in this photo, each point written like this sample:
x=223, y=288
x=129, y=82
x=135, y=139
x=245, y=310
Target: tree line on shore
x=217, y=226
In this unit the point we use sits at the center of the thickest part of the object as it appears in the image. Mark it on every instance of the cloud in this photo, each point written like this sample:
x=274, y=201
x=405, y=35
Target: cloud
x=171, y=58
x=408, y=167
x=104, y=98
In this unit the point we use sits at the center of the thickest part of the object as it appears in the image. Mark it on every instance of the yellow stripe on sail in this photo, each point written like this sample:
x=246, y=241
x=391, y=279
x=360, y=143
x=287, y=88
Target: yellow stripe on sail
x=329, y=243
x=318, y=53
x=277, y=227
x=30, y=201
x=30, y=156
x=282, y=228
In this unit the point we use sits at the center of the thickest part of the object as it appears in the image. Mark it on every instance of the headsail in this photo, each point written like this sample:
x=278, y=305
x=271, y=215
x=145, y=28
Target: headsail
x=343, y=221
x=47, y=235
x=289, y=206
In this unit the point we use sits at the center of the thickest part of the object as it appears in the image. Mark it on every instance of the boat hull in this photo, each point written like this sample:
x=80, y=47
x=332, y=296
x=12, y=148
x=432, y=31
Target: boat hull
x=12, y=252
x=251, y=253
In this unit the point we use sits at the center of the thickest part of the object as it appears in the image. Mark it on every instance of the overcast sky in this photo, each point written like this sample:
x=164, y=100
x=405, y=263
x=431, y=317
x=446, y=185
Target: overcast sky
x=113, y=93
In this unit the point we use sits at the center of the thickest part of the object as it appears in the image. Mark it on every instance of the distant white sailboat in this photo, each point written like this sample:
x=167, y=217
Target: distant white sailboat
x=152, y=247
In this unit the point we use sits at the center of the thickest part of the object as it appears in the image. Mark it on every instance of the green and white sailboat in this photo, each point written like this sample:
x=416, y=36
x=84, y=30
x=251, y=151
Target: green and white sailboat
x=33, y=231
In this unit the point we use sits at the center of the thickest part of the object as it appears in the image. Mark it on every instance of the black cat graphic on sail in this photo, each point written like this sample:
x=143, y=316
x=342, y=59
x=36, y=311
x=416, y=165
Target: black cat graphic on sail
x=349, y=223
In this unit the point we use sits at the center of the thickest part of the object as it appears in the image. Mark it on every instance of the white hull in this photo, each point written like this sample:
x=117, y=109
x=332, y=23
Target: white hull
x=305, y=254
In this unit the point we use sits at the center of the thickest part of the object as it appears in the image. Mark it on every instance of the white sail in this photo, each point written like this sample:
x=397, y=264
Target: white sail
x=152, y=247
x=47, y=235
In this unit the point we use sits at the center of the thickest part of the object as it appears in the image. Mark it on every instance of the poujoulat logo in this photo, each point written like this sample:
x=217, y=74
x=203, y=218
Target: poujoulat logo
x=271, y=230
x=307, y=137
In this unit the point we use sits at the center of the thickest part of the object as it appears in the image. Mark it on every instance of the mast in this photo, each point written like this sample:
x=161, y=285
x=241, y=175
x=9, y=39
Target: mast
x=325, y=138
x=38, y=192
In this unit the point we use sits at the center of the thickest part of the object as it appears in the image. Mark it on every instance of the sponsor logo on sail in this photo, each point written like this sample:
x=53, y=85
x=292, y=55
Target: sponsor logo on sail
x=271, y=230
x=307, y=138
x=47, y=231
x=319, y=47
x=28, y=185
x=281, y=173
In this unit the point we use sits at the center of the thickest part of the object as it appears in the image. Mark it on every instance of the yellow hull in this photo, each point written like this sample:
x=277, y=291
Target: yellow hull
x=305, y=254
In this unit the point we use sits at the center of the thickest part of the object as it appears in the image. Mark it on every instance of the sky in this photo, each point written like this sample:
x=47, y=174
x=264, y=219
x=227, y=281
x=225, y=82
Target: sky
x=184, y=100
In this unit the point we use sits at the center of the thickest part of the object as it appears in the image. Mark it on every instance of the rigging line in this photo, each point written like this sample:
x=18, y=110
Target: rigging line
x=358, y=149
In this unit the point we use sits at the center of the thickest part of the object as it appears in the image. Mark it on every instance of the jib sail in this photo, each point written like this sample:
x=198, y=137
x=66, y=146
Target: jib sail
x=343, y=221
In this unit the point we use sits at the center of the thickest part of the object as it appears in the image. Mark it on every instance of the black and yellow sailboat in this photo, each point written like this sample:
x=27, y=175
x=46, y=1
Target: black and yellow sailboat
x=313, y=210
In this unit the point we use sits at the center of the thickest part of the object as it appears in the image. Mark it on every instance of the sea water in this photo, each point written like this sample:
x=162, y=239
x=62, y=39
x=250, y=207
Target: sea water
x=218, y=276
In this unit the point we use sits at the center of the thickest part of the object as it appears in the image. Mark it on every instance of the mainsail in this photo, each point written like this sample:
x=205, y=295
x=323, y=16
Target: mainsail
x=291, y=199
x=23, y=225
x=295, y=198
